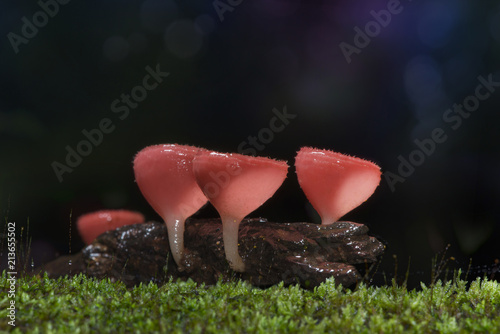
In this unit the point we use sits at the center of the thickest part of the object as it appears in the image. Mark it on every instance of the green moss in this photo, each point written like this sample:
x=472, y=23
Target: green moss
x=84, y=305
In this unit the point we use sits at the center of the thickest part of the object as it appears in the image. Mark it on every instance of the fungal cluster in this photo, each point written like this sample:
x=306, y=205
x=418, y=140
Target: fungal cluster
x=177, y=180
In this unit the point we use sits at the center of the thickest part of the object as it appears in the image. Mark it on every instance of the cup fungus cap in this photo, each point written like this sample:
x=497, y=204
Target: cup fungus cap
x=335, y=183
x=165, y=177
x=236, y=185
x=92, y=224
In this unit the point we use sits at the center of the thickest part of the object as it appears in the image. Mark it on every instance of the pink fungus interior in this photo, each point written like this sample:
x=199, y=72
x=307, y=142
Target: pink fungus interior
x=335, y=183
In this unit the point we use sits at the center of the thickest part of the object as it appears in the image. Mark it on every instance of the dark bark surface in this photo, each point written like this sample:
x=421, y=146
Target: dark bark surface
x=272, y=252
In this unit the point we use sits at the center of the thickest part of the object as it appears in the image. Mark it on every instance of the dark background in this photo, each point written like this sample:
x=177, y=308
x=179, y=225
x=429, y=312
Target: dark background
x=226, y=76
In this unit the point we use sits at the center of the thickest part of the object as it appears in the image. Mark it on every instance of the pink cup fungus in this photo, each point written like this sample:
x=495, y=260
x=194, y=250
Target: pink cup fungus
x=335, y=183
x=165, y=177
x=236, y=185
x=92, y=224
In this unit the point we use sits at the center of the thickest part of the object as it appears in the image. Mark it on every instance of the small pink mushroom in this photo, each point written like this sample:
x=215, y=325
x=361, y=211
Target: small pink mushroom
x=165, y=177
x=92, y=224
x=335, y=183
x=236, y=185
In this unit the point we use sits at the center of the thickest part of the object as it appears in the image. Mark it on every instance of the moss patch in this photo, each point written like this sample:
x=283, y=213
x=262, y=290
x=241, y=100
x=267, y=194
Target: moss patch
x=84, y=305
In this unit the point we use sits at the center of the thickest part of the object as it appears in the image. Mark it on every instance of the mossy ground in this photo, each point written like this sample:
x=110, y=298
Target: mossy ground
x=83, y=305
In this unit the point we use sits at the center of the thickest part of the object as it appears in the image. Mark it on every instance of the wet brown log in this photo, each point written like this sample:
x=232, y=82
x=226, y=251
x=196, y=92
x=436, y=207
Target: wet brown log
x=301, y=253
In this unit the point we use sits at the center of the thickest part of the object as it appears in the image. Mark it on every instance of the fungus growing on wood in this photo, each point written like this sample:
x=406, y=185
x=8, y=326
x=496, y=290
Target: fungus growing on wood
x=92, y=224
x=236, y=185
x=335, y=183
x=165, y=177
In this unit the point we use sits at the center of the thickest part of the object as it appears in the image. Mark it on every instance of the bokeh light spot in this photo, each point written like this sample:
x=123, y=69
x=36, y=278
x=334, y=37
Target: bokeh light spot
x=115, y=48
x=157, y=14
x=204, y=24
x=183, y=39
x=495, y=26
x=436, y=24
x=423, y=80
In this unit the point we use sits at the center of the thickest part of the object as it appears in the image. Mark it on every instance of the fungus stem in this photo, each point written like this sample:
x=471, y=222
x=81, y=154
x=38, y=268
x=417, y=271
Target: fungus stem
x=230, y=227
x=175, y=229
